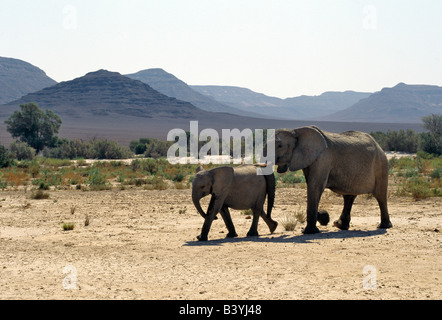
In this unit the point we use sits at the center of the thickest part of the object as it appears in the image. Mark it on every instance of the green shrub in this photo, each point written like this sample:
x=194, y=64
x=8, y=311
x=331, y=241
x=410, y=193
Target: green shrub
x=179, y=177
x=41, y=184
x=93, y=149
x=97, y=180
x=68, y=226
x=419, y=188
x=437, y=173
x=5, y=157
x=21, y=150
x=292, y=178
x=155, y=183
x=148, y=166
x=140, y=148
x=39, y=195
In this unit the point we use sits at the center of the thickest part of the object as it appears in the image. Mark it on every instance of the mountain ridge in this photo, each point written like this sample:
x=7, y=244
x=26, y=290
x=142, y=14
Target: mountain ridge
x=298, y=108
x=18, y=78
x=103, y=92
x=170, y=85
x=402, y=103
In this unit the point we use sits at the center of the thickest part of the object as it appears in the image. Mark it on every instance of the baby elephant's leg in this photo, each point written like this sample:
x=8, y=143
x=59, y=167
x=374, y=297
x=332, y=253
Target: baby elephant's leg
x=228, y=221
x=272, y=224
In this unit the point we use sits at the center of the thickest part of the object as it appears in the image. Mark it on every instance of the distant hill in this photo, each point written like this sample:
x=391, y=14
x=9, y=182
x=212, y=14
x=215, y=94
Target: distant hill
x=402, y=104
x=239, y=97
x=102, y=93
x=297, y=108
x=311, y=107
x=171, y=86
x=18, y=78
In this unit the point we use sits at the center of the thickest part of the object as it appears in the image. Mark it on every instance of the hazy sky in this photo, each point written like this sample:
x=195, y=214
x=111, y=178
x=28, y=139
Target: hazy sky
x=282, y=48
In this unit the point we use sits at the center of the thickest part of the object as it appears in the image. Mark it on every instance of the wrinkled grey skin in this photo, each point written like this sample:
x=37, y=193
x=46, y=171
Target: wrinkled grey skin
x=238, y=188
x=348, y=163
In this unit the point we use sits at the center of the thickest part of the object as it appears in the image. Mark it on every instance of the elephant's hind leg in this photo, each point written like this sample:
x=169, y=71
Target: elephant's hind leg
x=380, y=193
x=272, y=224
x=225, y=214
x=344, y=220
x=385, y=217
x=253, y=232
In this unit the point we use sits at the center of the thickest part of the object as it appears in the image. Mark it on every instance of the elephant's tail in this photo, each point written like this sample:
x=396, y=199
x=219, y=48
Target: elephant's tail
x=270, y=188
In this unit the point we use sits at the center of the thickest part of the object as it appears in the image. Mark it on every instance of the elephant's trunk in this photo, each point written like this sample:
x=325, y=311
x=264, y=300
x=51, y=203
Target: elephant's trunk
x=196, y=201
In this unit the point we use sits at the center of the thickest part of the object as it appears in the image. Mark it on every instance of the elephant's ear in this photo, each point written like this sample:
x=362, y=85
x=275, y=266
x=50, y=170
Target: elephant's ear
x=199, y=169
x=310, y=143
x=222, y=179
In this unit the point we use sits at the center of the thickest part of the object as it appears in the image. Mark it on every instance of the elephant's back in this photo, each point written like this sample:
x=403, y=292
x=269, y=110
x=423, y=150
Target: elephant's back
x=356, y=139
x=245, y=169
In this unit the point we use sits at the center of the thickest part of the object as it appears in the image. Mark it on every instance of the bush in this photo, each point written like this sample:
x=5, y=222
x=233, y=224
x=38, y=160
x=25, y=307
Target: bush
x=151, y=147
x=104, y=149
x=39, y=195
x=68, y=226
x=156, y=148
x=431, y=144
x=405, y=141
x=436, y=174
x=22, y=151
x=411, y=142
x=156, y=184
x=149, y=166
x=292, y=178
x=5, y=157
x=97, y=180
x=93, y=149
x=140, y=148
x=418, y=187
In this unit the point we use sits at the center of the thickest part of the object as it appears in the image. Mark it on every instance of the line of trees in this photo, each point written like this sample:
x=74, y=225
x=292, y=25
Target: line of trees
x=412, y=142
x=37, y=131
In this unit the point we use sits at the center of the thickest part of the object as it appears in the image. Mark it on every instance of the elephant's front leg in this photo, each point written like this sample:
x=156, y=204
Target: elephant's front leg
x=228, y=221
x=314, y=192
x=211, y=214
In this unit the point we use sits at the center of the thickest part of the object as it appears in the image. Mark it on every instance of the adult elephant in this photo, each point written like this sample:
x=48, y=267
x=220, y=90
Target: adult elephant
x=348, y=163
x=237, y=188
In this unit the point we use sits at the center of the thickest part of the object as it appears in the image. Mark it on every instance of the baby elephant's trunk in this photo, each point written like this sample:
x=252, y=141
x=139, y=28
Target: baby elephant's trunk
x=196, y=201
x=270, y=186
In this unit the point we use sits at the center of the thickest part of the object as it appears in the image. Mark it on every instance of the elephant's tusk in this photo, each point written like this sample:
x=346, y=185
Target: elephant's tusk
x=262, y=165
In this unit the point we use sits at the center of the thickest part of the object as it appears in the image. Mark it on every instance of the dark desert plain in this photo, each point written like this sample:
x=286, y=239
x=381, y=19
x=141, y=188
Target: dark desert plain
x=123, y=128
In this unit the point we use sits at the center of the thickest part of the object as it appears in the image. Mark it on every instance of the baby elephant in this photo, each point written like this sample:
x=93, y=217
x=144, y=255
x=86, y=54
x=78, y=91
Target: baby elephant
x=238, y=188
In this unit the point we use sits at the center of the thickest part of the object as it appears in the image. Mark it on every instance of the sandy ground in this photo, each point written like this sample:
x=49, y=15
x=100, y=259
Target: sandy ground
x=141, y=244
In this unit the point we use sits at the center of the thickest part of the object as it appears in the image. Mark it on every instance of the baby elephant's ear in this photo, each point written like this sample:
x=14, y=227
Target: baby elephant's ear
x=199, y=169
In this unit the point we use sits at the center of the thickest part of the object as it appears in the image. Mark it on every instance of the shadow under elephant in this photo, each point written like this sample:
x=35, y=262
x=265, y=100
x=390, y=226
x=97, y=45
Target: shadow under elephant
x=285, y=238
